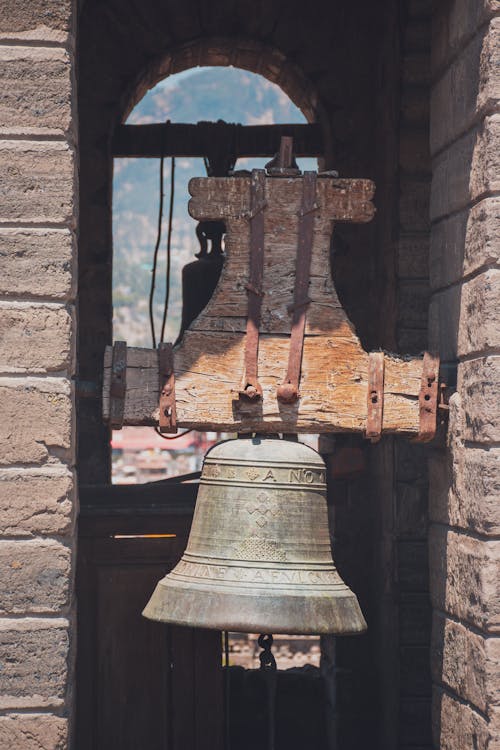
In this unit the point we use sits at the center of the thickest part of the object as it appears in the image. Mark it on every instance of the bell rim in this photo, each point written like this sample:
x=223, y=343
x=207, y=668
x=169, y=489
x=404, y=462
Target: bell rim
x=338, y=614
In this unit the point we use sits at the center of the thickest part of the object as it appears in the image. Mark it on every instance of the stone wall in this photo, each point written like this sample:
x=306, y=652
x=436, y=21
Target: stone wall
x=464, y=327
x=37, y=330
x=384, y=514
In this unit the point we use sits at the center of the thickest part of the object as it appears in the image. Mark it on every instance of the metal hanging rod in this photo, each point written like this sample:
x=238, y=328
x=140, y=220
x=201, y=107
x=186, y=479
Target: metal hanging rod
x=204, y=138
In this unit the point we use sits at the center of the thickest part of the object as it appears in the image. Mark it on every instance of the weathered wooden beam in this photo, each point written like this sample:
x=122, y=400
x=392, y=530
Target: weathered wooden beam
x=177, y=139
x=334, y=387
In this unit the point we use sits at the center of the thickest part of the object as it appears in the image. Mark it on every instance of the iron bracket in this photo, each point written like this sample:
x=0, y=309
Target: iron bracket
x=251, y=389
x=375, y=399
x=428, y=398
x=288, y=391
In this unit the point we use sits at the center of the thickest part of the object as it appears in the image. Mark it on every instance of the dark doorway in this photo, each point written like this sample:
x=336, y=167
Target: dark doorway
x=142, y=685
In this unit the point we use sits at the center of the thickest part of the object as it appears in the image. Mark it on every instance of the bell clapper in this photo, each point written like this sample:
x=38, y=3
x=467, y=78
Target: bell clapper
x=268, y=666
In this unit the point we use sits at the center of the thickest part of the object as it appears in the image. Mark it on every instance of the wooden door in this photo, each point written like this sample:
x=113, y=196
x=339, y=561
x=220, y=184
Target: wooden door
x=141, y=685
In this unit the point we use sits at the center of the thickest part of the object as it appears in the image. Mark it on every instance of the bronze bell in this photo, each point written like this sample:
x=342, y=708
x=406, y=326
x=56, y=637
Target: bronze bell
x=258, y=557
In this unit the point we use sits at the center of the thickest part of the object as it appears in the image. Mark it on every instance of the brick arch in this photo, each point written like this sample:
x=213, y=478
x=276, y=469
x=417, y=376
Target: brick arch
x=247, y=54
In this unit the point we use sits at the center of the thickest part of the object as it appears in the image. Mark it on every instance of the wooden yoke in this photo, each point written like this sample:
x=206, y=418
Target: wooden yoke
x=337, y=378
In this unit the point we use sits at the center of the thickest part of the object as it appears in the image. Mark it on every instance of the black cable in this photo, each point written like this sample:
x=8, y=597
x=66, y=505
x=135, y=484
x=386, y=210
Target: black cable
x=171, y=437
x=169, y=246
x=155, y=256
x=155, y=264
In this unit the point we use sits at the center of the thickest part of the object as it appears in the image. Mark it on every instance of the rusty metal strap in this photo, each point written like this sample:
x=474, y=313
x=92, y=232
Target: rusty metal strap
x=118, y=388
x=428, y=398
x=167, y=421
x=288, y=391
x=251, y=387
x=375, y=398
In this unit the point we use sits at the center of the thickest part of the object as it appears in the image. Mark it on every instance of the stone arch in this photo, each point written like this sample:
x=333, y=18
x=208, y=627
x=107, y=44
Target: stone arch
x=247, y=54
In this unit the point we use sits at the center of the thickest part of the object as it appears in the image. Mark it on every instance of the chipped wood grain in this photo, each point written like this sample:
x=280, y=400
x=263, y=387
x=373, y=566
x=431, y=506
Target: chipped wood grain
x=333, y=387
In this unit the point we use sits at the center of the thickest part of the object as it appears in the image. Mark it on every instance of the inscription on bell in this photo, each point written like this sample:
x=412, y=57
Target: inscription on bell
x=265, y=474
x=305, y=476
x=255, y=575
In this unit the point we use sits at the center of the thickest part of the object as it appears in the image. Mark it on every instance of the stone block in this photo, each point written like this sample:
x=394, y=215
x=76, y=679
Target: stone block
x=465, y=487
x=37, y=263
x=33, y=503
x=468, y=170
x=414, y=619
x=417, y=34
x=479, y=386
x=456, y=725
x=465, y=577
x=414, y=723
x=33, y=655
x=36, y=91
x=415, y=106
x=35, y=338
x=411, y=340
x=479, y=327
x=36, y=420
x=412, y=566
x=411, y=510
x=415, y=677
x=33, y=732
x=38, y=20
x=35, y=576
x=418, y=8
x=444, y=315
x=411, y=461
x=454, y=23
x=466, y=662
x=413, y=256
x=414, y=155
x=413, y=304
x=465, y=242
x=38, y=183
x=414, y=205
x=468, y=89
x=416, y=68
x=465, y=319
